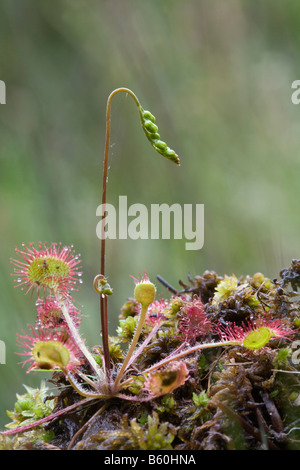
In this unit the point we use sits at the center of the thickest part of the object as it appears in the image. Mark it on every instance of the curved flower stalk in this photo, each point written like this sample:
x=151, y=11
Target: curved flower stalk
x=55, y=341
x=151, y=131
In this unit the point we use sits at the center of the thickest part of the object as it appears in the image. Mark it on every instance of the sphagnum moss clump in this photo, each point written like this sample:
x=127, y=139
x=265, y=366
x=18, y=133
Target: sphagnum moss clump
x=209, y=366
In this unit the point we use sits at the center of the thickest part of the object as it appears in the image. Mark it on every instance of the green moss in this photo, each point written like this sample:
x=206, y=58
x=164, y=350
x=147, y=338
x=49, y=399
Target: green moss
x=218, y=406
x=156, y=435
x=30, y=406
x=127, y=328
x=200, y=399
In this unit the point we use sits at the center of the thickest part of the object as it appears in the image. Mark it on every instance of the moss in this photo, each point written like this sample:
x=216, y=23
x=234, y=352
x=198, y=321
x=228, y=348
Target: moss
x=31, y=406
x=233, y=398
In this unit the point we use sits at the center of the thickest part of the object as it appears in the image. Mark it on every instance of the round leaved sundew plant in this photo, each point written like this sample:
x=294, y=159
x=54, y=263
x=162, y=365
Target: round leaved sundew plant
x=206, y=366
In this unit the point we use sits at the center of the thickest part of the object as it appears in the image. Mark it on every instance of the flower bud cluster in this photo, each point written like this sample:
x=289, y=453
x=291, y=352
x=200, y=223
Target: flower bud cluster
x=151, y=131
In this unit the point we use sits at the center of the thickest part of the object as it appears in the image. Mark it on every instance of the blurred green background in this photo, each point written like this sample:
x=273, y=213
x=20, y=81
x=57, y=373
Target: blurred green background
x=217, y=75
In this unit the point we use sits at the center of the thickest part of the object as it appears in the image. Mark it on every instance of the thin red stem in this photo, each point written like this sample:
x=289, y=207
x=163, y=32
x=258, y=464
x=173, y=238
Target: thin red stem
x=103, y=298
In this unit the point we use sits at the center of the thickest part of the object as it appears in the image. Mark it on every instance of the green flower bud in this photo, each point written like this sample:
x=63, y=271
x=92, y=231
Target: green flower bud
x=144, y=293
x=154, y=136
x=161, y=145
x=169, y=152
x=148, y=115
x=150, y=126
x=171, y=155
x=150, y=129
